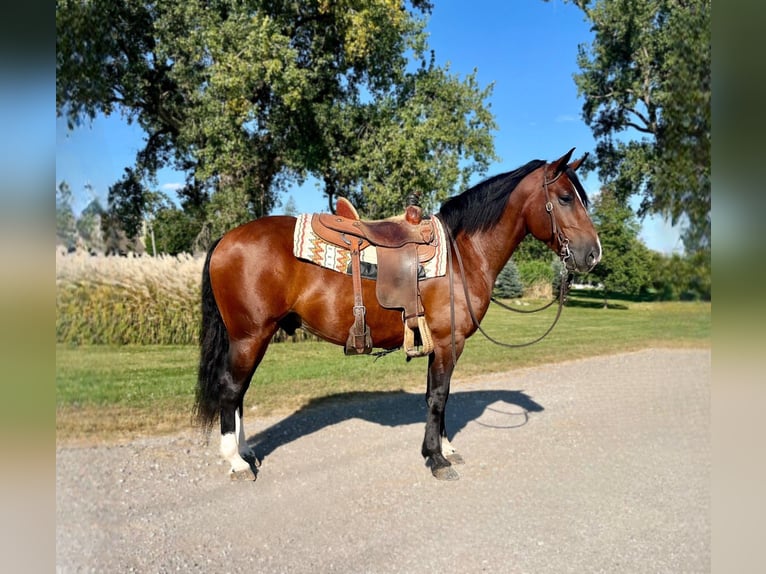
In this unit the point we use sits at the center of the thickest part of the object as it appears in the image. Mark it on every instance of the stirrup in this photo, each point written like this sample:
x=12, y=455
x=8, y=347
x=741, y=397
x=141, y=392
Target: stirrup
x=426, y=341
x=358, y=344
x=359, y=341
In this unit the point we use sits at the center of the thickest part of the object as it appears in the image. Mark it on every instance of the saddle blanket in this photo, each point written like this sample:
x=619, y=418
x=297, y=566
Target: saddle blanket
x=309, y=246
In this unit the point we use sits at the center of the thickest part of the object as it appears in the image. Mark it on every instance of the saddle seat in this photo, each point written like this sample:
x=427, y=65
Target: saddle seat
x=401, y=243
x=392, y=232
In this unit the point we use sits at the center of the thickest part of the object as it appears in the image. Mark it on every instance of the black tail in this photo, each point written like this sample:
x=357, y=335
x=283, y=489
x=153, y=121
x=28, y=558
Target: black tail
x=214, y=348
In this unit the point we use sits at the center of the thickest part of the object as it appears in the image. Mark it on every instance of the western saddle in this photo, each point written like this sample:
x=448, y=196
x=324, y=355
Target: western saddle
x=402, y=243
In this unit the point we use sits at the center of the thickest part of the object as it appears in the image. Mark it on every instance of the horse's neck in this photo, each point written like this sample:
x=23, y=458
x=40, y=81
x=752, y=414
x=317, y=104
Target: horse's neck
x=486, y=253
x=498, y=244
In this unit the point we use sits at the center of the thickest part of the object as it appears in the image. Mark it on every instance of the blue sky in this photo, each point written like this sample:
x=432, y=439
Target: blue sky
x=528, y=48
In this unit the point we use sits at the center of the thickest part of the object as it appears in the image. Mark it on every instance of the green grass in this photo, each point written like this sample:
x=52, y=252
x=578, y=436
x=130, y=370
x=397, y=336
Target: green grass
x=105, y=392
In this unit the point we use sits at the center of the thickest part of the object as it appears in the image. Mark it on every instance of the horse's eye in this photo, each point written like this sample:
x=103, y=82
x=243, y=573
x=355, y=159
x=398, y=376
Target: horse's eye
x=565, y=199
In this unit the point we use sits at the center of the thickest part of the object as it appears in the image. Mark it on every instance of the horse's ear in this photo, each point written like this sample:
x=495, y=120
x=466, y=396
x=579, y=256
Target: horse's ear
x=578, y=162
x=561, y=164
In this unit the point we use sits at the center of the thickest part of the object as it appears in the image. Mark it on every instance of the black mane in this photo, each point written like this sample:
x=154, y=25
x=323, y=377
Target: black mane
x=578, y=186
x=481, y=207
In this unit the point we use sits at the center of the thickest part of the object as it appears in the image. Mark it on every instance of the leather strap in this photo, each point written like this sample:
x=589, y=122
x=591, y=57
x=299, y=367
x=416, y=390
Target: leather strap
x=359, y=338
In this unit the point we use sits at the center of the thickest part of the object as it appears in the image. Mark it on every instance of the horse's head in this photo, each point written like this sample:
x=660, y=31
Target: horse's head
x=556, y=213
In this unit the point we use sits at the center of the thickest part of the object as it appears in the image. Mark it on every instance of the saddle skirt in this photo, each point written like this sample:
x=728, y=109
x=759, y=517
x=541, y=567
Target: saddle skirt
x=309, y=246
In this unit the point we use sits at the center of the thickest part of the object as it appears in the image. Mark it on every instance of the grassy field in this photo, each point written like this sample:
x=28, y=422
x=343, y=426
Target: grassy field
x=113, y=393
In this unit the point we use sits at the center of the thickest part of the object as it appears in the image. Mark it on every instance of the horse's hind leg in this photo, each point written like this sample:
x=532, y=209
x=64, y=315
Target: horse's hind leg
x=244, y=357
x=245, y=451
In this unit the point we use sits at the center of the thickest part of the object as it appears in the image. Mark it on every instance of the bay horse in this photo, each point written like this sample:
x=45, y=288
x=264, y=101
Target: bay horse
x=253, y=284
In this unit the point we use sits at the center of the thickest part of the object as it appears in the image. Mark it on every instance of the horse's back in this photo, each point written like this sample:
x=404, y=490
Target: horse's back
x=259, y=242
x=268, y=229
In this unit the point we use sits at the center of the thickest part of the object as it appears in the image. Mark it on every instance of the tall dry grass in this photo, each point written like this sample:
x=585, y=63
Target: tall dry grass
x=127, y=300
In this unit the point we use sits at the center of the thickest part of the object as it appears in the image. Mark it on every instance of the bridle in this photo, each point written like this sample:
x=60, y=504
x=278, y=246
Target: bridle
x=565, y=283
x=564, y=252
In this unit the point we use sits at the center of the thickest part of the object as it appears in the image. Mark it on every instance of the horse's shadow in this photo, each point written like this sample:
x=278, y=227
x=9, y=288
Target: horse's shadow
x=392, y=408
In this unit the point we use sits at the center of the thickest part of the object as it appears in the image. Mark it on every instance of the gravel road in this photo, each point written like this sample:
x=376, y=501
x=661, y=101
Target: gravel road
x=596, y=465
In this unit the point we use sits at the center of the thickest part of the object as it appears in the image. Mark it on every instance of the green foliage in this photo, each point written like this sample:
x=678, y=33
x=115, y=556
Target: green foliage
x=532, y=249
x=175, y=231
x=508, y=283
x=675, y=277
x=126, y=205
x=648, y=71
x=248, y=96
x=424, y=132
x=225, y=210
x=624, y=263
x=535, y=271
x=536, y=266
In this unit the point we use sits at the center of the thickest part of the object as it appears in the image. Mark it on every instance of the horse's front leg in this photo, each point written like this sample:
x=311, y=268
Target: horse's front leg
x=449, y=451
x=435, y=441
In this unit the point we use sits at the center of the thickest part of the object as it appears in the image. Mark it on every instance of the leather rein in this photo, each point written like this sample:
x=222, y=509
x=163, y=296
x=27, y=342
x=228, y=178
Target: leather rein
x=564, y=254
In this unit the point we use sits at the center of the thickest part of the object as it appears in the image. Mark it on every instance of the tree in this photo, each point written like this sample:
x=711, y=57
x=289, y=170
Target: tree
x=290, y=207
x=646, y=84
x=417, y=140
x=127, y=201
x=508, y=283
x=89, y=226
x=531, y=249
x=66, y=231
x=624, y=264
x=174, y=230
x=675, y=277
x=248, y=96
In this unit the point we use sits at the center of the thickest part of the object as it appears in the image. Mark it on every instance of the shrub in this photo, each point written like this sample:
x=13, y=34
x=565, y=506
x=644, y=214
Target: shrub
x=676, y=277
x=537, y=277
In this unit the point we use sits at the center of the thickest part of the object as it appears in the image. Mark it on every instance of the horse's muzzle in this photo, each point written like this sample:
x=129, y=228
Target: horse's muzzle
x=593, y=258
x=583, y=260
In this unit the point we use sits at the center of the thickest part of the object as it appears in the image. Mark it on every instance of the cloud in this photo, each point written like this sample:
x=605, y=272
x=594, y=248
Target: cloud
x=565, y=118
x=172, y=186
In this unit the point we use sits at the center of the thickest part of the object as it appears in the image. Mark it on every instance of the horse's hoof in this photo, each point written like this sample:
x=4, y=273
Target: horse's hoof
x=242, y=475
x=455, y=458
x=251, y=459
x=445, y=473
